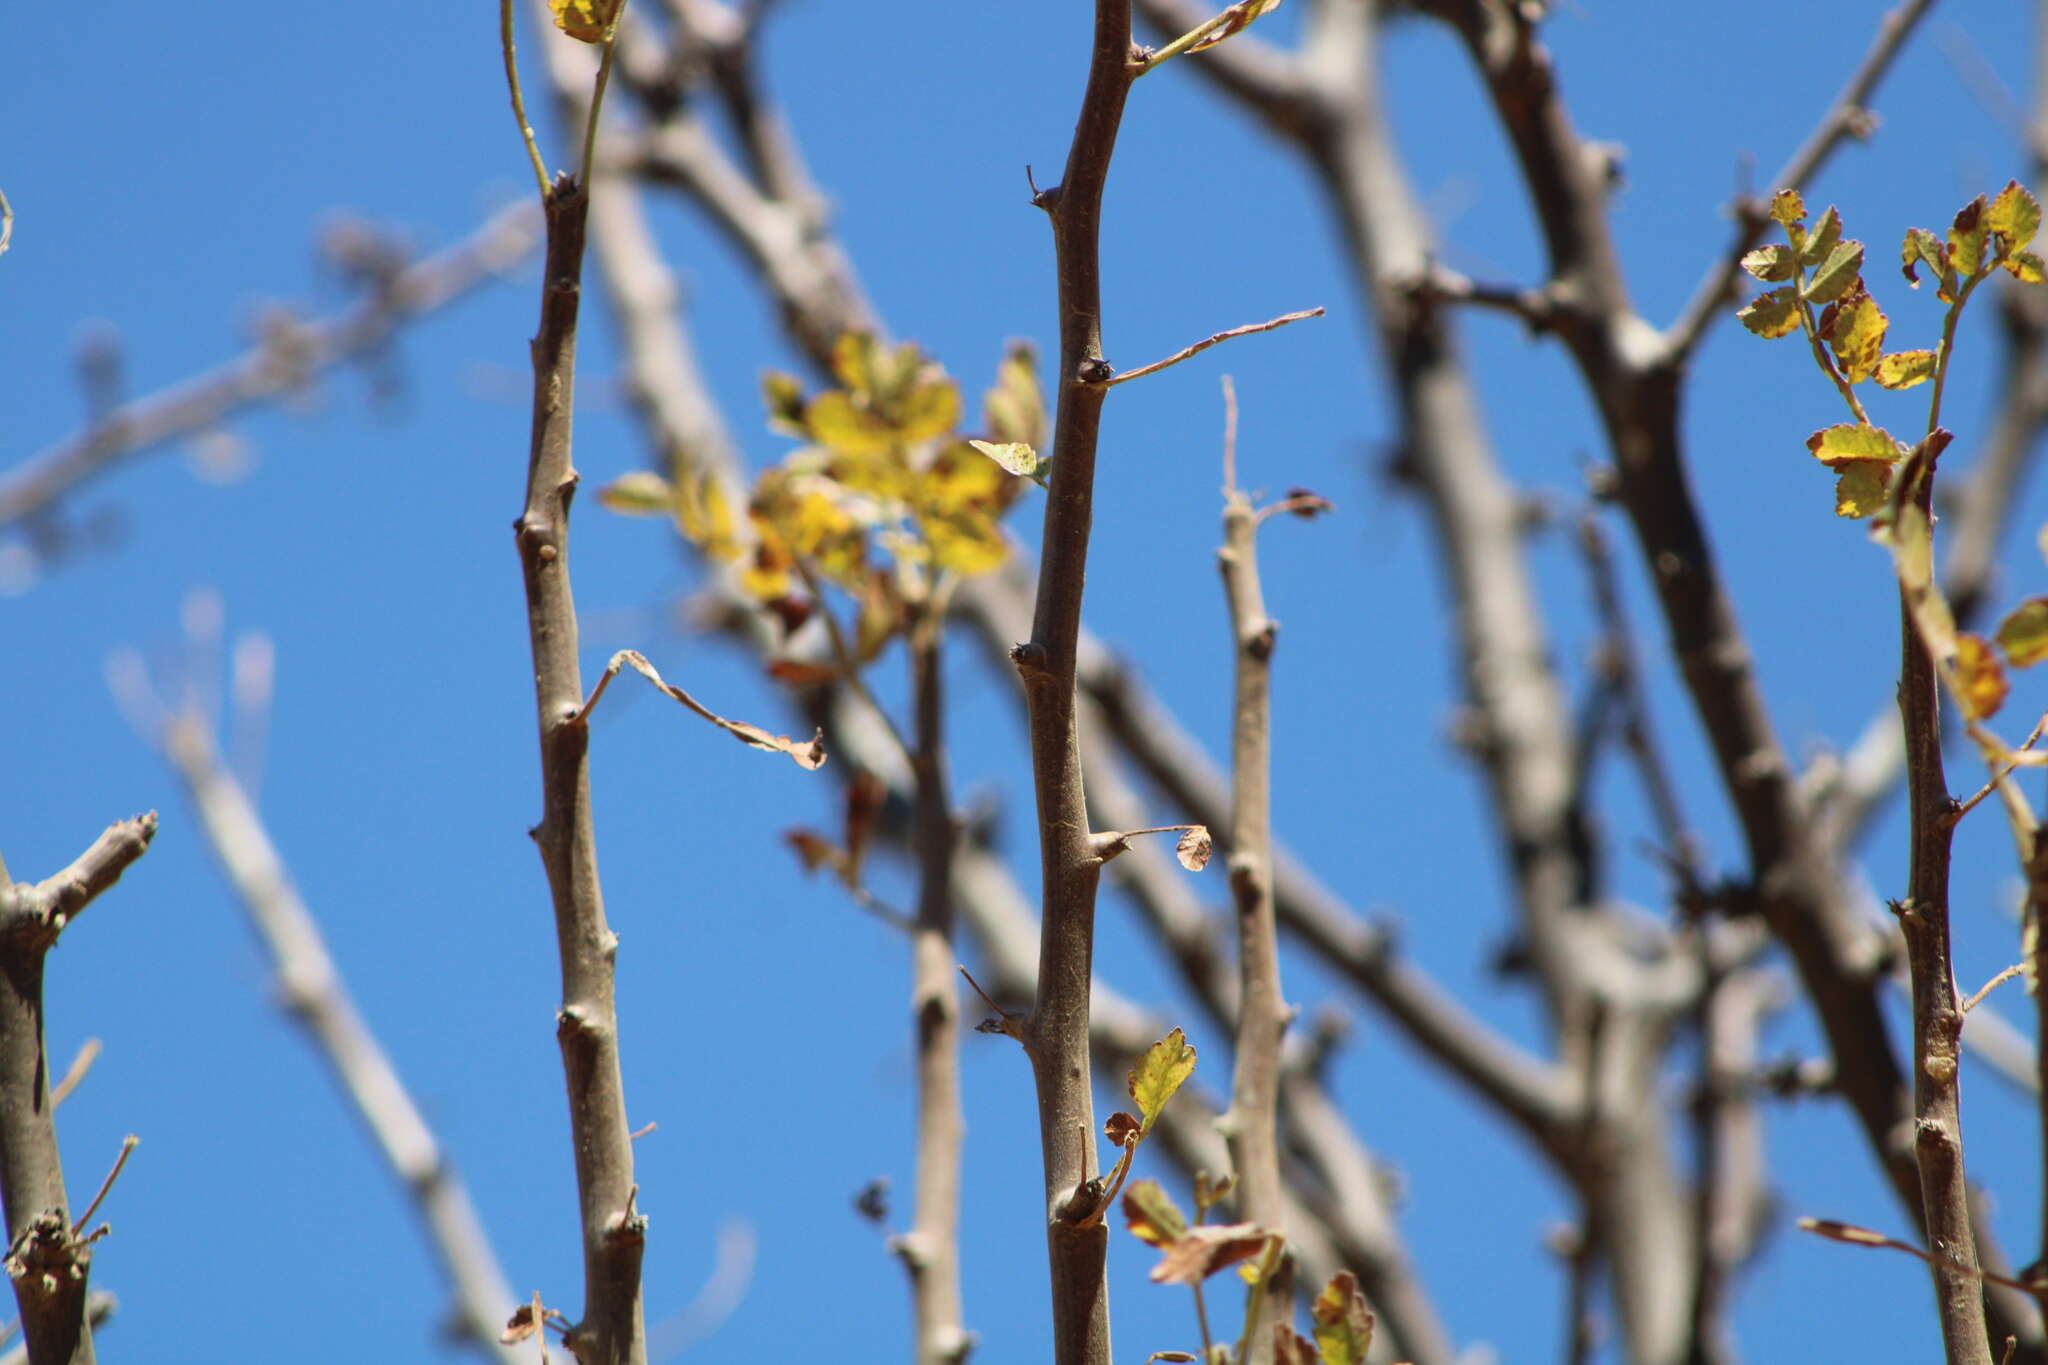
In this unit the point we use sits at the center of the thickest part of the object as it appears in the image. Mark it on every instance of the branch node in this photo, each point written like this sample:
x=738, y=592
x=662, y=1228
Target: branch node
x=1094, y=370
x=1030, y=659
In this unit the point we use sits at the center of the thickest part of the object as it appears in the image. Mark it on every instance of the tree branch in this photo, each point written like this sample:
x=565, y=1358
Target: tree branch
x=47, y=1258
x=262, y=373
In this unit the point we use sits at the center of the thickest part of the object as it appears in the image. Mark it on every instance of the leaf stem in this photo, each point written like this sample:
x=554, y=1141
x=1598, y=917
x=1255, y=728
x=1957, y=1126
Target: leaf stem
x=540, y=167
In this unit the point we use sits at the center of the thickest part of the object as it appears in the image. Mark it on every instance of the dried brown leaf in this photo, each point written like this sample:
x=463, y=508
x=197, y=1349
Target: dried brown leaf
x=808, y=754
x=1201, y=1252
x=1194, y=848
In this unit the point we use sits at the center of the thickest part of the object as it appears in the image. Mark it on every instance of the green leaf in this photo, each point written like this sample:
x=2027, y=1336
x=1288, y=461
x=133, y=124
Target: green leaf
x=1017, y=458
x=2023, y=634
x=1773, y=314
x=640, y=493
x=1861, y=488
x=1844, y=268
x=1968, y=237
x=1922, y=247
x=1772, y=264
x=1857, y=335
x=1904, y=369
x=1851, y=441
x=2015, y=216
x=1343, y=1326
x=1159, y=1073
x=1826, y=233
x=1152, y=1214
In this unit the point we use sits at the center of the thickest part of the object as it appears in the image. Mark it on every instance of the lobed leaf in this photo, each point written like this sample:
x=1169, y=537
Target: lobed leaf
x=1343, y=1325
x=1772, y=314
x=1787, y=208
x=2023, y=634
x=1904, y=369
x=1159, y=1073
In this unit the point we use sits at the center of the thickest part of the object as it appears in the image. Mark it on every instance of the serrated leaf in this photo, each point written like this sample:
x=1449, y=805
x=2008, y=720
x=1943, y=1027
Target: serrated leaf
x=1787, y=208
x=1152, y=1214
x=2023, y=634
x=1343, y=1325
x=1160, y=1072
x=1773, y=264
x=1201, y=1252
x=1015, y=457
x=1904, y=369
x=1194, y=848
x=1772, y=314
x=1843, y=268
x=585, y=20
x=1968, y=238
x=1236, y=19
x=2015, y=216
x=1980, y=680
x=2025, y=267
x=1826, y=233
x=1857, y=336
x=1853, y=441
x=1922, y=247
x=639, y=493
x=1861, y=488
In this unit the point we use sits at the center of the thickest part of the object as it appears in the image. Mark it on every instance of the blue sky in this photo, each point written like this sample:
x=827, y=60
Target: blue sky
x=170, y=178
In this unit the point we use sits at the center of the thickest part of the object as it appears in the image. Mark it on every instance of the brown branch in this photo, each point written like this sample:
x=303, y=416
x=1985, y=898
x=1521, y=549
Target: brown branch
x=1058, y=1031
x=47, y=1260
x=312, y=992
x=1252, y=1122
x=262, y=373
x=99, y=1306
x=614, y=1233
x=931, y=1249
x=1230, y=334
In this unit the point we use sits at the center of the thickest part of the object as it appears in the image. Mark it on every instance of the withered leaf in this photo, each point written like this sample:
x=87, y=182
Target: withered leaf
x=1122, y=1129
x=808, y=755
x=1194, y=848
x=1201, y=1252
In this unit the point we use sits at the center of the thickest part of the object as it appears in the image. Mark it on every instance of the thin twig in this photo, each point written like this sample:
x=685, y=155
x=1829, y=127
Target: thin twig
x=128, y=1145
x=1250, y=328
x=88, y=1053
x=1993, y=984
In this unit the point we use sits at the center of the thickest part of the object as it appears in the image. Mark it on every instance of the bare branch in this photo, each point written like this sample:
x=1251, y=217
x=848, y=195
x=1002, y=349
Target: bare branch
x=262, y=373
x=1249, y=329
x=47, y=1260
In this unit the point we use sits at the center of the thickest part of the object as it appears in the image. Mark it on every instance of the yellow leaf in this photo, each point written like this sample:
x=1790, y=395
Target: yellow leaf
x=705, y=517
x=965, y=540
x=1904, y=369
x=1159, y=1073
x=853, y=362
x=1858, y=335
x=1851, y=441
x=1772, y=314
x=1980, y=681
x=1787, y=207
x=585, y=20
x=1015, y=407
x=1862, y=487
x=836, y=423
x=1152, y=1214
x=1343, y=1327
x=932, y=409
x=2015, y=215
x=1014, y=456
x=2025, y=267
